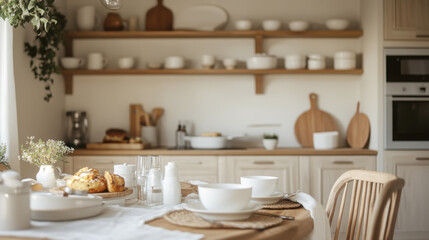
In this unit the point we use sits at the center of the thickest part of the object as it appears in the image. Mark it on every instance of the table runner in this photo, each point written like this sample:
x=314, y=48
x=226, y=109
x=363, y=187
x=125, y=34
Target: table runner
x=114, y=223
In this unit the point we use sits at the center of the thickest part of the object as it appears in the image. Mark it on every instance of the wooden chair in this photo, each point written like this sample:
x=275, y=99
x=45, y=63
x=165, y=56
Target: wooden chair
x=373, y=207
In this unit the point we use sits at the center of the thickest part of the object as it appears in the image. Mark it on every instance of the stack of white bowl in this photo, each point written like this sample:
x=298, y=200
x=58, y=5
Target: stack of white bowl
x=128, y=172
x=295, y=61
x=344, y=60
x=316, y=62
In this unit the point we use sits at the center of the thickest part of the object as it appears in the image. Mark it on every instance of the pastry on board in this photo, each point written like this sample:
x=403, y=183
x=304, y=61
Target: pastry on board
x=115, y=135
x=87, y=179
x=115, y=183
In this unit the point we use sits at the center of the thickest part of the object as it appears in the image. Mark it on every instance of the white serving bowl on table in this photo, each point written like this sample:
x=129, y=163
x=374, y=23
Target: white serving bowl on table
x=52, y=201
x=224, y=197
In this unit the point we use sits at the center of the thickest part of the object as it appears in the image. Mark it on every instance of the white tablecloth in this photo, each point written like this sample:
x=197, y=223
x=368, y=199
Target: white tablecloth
x=115, y=222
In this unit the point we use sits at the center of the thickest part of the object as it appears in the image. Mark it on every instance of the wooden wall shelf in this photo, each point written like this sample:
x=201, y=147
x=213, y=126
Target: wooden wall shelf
x=257, y=35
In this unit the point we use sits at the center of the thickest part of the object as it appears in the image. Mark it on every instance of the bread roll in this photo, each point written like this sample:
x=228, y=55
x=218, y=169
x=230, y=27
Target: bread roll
x=87, y=179
x=115, y=183
x=211, y=134
x=115, y=135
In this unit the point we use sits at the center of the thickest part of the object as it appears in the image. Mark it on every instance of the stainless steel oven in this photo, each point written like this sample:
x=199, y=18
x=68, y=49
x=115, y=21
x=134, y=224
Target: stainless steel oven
x=407, y=99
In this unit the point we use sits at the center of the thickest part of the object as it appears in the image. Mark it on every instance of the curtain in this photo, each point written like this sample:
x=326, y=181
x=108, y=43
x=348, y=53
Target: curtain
x=8, y=117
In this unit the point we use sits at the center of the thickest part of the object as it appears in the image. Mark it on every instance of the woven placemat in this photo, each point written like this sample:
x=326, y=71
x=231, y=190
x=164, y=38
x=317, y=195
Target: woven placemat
x=282, y=204
x=188, y=219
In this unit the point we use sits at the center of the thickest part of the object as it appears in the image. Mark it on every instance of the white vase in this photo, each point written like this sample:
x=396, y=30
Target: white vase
x=269, y=144
x=47, y=175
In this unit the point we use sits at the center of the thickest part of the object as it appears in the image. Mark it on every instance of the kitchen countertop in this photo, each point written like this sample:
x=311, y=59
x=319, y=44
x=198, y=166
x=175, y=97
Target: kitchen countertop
x=225, y=152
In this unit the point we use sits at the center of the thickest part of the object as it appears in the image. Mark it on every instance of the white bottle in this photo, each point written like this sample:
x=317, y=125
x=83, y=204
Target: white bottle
x=172, y=190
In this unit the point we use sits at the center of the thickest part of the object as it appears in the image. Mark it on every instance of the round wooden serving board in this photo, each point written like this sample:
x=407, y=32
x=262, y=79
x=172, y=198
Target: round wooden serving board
x=126, y=192
x=358, y=130
x=311, y=121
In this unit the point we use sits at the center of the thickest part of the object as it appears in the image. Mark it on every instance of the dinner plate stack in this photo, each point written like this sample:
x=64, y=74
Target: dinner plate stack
x=56, y=207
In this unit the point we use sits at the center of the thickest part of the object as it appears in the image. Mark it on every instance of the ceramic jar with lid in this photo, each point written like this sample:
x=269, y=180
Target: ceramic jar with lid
x=344, y=60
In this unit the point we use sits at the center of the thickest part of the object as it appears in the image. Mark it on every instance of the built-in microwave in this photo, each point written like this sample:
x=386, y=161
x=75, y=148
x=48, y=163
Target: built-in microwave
x=406, y=99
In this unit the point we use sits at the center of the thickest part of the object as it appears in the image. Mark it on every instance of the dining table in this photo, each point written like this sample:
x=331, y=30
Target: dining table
x=301, y=226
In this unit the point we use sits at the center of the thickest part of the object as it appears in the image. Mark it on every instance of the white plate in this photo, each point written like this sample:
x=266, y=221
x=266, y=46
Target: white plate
x=53, y=201
x=197, y=208
x=201, y=18
x=66, y=214
x=275, y=197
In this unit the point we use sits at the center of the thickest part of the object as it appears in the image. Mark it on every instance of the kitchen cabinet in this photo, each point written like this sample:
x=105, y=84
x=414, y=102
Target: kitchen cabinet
x=258, y=36
x=286, y=168
x=413, y=215
x=406, y=20
x=203, y=168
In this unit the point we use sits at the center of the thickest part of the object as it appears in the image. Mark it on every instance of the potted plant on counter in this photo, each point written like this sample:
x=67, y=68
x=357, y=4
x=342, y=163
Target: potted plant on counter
x=45, y=155
x=270, y=141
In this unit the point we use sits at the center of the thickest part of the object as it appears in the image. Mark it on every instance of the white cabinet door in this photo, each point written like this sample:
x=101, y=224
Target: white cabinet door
x=203, y=168
x=284, y=167
x=101, y=163
x=406, y=19
x=413, y=215
x=325, y=170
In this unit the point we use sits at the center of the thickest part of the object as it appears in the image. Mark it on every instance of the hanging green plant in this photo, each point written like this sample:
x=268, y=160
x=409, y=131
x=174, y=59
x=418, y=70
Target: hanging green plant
x=48, y=24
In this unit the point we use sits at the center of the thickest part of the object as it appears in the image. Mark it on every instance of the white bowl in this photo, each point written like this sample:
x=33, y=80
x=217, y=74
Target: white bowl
x=316, y=57
x=243, y=25
x=230, y=63
x=345, y=55
x=271, y=25
x=174, y=62
x=51, y=201
x=224, y=197
x=344, y=64
x=298, y=26
x=337, y=24
x=262, y=186
x=126, y=63
x=261, y=61
x=316, y=64
x=72, y=62
x=295, y=61
x=325, y=140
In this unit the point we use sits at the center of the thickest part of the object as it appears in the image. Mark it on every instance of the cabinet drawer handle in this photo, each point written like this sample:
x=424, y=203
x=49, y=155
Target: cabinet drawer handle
x=103, y=162
x=264, y=162
x=422, y=158
x=342, y=162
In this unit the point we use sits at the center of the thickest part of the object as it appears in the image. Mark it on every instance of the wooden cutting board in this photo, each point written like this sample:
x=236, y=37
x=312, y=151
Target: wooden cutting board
x=116, y=146
x=124, y=193
x=358, y=130
x=311, y=121
x=159, y=18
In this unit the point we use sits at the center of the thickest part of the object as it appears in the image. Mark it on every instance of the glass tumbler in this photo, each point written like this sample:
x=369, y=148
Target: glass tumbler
x=144, y=164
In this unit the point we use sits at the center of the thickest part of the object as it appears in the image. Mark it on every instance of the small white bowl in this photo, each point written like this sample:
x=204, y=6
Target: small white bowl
x=126, y=63
x=230, y=63
x=261, y=61
x=174, y=62
x=243, y=25
x=225, y=196
x=298, y=26
x=271, y=25
x=344, y=64
x=295, y=61
x=337, y=24
x=345, y=55
x=316, y=64
x=262, y=186
x=325, y=140
x=72, y=62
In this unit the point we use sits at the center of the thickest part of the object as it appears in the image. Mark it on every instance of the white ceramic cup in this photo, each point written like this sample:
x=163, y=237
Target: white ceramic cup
x=243, y=25
x=208, y=60
x=86, y=18
x=126, y=63
x=174, y=62
x=262, y=186
x=271, y=25
x=96, y=61
x=15, y=207
x=72, y=62
x=230, y=63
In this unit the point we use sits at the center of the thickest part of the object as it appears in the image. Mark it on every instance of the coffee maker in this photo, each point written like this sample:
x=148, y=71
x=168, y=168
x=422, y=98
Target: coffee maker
x=77, y=129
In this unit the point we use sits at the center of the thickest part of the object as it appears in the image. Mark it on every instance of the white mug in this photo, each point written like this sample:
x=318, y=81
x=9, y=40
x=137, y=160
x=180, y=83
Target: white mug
x=174, y=62
x=208, y=61
x=85, y=18
x=96, y=61
x=126, y=63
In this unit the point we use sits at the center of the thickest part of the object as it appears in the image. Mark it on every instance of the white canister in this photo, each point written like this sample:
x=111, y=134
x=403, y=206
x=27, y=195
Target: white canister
x=172, y=189
x=96, y=61
x=86, y=18
x=15, y=207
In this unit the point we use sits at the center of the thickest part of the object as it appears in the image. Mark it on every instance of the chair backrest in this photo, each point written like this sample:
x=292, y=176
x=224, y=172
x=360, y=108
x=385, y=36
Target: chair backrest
x=373, y=207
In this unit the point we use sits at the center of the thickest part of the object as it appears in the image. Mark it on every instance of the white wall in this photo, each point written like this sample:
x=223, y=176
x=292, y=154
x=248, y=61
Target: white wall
x=221, y=103
x=35, y=116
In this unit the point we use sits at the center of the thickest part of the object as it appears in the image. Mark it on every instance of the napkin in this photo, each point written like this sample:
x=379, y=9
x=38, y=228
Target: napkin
x=114, y=223
x=321, y=228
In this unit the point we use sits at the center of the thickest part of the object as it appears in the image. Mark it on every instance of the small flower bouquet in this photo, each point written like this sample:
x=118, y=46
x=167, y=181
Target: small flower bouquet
x=44, y=153
x=3, y=159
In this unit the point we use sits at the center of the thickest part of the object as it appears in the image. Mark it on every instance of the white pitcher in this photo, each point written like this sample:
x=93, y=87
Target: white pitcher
x=47, y=175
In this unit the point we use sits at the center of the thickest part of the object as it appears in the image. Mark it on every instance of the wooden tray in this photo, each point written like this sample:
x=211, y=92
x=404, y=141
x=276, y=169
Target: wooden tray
x=126, y=192
x=117, y=146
